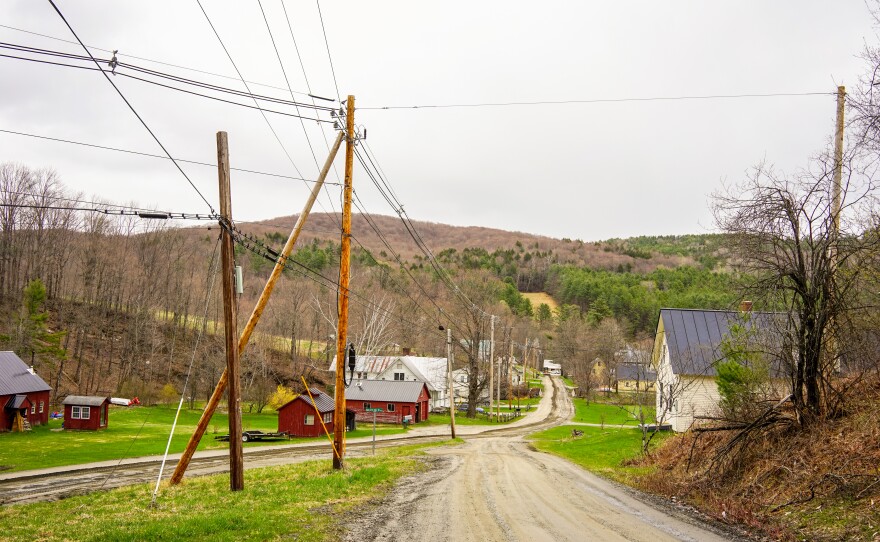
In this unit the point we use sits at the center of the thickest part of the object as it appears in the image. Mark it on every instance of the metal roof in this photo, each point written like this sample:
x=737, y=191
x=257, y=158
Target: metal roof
x=694, y=336
x=16, y=377
x=426, y=369
x=391, y=391
x=84, y=400
x=16, y=401
x=323, y=401
x=636, y=371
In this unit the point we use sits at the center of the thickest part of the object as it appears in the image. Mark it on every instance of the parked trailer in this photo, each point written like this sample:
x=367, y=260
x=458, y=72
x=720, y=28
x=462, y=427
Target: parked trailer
x=248, y=436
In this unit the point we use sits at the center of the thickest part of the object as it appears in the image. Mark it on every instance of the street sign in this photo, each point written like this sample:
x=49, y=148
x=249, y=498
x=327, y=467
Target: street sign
x=373, y=410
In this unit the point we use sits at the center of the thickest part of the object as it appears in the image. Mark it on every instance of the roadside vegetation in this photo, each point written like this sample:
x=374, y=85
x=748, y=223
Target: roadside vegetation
x=610, y=452
x=304, y=501
x=610, y=414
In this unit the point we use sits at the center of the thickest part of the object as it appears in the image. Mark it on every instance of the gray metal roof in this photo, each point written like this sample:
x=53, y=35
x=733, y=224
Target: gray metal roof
x=84, y=400
x=385, y=391
x=694, y=336
x=643, y=372
x=323, y=401
x=16, y=377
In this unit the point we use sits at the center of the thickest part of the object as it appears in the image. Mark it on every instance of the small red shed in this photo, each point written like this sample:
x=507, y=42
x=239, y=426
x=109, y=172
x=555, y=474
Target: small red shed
x=24, y=396
x=397, y=399
x=86, y=412
x=299, y=419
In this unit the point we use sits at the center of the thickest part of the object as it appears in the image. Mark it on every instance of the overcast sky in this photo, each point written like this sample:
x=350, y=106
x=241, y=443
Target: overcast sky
x=580, y=170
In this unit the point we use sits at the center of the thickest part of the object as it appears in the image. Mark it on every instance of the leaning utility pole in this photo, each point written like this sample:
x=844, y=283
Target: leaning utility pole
x=491, y=361
x=344, y=273
x=451, y=385
x=202, y=426
x=230, y=316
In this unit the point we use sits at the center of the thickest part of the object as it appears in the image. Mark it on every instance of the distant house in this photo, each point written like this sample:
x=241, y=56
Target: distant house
x=431, y=371
x=398, y=399
x=299, y=417
x=552, y=369
x=686, y=351
x=86, y=412
x=633, y=372
x=23, y=395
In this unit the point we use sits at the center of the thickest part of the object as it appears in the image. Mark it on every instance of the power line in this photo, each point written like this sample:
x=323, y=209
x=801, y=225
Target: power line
x=327, y=44
x=159, y=215
x=131, y=107
x=149, y=155
x=603, y=100
x=229, y=56
x=145, y=59
x=178, y=89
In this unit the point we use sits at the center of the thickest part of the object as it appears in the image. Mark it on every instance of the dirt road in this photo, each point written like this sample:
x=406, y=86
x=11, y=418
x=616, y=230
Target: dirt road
x=495, y=488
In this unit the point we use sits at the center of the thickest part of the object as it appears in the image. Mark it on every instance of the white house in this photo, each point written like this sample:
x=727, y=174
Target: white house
x=551, y=368
x=686, y=350
x=431, y=371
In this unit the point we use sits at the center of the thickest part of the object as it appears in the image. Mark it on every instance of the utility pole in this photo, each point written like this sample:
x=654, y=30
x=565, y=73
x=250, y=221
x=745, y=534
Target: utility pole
x=498, y=393
x=510, y=369
x=838, y=162
x=344, y=275
x=230, y=317
x=202, y=426
x=451, y=384
x=491, y=361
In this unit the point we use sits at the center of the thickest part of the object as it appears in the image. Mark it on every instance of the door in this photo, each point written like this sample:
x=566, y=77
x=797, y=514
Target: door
x=418, y=413
x=103, y=416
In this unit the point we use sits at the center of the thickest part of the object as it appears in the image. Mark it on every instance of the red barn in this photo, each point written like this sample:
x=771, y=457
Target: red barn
x=396, y=398
x=24, y=396
x=85, y=412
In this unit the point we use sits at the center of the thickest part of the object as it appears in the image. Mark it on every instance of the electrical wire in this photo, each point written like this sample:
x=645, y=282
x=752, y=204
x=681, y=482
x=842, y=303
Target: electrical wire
x=603, y=100
x=196, y=70
x=156, y=215
x=329, y=57
x=121, y=95
x=138, y=153
x=178, y=89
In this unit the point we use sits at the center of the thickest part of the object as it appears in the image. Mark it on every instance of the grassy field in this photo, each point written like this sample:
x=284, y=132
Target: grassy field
x=541, y=297
x=304, y=501
x=135, y=432
x=602, y=451
x=610, y=414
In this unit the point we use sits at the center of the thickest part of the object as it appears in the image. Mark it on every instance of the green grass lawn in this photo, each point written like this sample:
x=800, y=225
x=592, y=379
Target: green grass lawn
x=610, y=414
x=135, y=432
x=304, y=501
x=568, y=382
x=598, y=450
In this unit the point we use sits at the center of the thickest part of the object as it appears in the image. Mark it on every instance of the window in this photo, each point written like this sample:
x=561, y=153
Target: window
x=390, y=407
x=41, y=407
x=33, y=408
x=367, y=405
x=399, y=376
x=79, y=412
x=328, y=417
x=310, y=419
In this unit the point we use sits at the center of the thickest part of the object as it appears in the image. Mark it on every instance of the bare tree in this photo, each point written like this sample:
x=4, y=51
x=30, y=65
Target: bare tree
x=783, y=230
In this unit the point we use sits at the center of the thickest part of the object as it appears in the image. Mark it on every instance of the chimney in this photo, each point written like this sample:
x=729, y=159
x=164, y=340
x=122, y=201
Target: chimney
x=31, y=370
x=745, y=306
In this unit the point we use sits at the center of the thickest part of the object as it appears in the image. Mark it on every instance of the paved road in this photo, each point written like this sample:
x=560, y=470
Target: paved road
x=496, y=488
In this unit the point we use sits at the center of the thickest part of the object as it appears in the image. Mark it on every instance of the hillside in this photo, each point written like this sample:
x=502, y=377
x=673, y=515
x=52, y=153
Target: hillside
x=609, y=255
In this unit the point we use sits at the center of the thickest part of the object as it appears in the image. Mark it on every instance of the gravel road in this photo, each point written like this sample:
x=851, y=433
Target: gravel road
x=496, y=488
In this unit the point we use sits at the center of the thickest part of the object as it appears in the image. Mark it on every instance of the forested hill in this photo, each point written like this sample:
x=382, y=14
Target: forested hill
x=469, y=243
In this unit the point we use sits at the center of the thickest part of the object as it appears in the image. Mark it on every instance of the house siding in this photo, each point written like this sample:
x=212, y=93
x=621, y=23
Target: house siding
x=37, y=418
x=93, y=423
x=291, y=419
x=419, y=410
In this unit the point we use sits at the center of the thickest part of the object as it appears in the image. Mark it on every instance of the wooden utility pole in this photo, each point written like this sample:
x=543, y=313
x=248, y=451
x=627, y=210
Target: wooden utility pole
x=451, y=384
x=344, y=273
x=498, y=393
x=230, y=316
x=491, y=361
x=838, y=162
x=202, y=426
x=510, y=369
